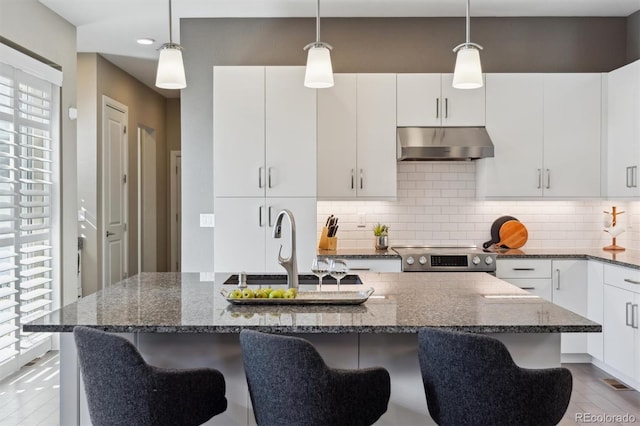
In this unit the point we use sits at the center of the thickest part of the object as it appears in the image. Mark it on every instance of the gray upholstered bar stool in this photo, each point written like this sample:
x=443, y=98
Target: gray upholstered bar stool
x=122, y=389
x=471, y=379
x=290, y=384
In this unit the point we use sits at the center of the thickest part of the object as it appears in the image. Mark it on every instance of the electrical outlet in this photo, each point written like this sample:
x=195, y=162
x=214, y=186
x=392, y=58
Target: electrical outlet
x=81, y=216
x=362, y=220
x=207, y=221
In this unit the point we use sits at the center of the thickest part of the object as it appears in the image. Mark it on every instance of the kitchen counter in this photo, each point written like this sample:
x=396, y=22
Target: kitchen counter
x=402, y=303
x=359, y=254
x=180, y=320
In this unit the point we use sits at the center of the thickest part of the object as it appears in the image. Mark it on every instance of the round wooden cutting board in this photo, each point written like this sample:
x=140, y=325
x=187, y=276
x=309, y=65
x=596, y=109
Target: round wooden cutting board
x=513, y=234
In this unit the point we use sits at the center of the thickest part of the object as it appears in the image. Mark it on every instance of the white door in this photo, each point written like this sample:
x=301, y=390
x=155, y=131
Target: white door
x=619, y=343
x=419, y=102
x=572, y=105
x=515, y=125
x=570, y=285
x=239, y=235
x=462, y=107
x=238, y=131
x=290, y=134
x=114, y=142
x=337, y=138
x=147, y=198
x=376, y=136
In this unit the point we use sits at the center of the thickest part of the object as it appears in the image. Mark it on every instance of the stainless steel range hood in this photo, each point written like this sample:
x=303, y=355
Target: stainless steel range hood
x=443, y=143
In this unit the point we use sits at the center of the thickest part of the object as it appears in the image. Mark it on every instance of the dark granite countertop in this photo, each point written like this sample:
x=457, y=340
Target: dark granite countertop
x=167, y=302
x=359, y=254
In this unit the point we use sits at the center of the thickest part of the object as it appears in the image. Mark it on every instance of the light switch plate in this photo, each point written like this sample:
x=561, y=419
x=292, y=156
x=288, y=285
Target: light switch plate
x=362, y=220
x=207, y=220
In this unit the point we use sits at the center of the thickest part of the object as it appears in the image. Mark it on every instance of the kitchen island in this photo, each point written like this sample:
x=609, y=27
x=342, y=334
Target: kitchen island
x=181, y=320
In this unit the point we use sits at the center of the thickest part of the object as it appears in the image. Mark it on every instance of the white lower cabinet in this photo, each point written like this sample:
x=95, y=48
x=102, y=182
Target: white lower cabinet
x=621, y=332
x=243, y=238
x=563, y=282
x=374, y=265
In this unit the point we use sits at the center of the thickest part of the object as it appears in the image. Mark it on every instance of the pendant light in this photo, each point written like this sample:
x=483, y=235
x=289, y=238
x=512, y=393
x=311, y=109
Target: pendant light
x=319, y=72
x=170, y=74
x=468, y=70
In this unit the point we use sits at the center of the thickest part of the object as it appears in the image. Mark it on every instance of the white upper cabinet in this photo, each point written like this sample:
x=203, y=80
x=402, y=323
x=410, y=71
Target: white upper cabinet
x=238, y=131
x=623, y=131
x=430, y=100
x=546, y=130
x=515, y=125
x=357, y=137
x=264, y=132
x=572, y=129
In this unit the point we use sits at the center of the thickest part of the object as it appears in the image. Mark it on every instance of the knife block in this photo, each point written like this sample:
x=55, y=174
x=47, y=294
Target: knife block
x=326, y=242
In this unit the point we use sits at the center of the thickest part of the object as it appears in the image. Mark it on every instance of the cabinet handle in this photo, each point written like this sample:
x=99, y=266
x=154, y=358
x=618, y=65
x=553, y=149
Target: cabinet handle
x=626, y=314
x=437, y=107
x=259, y=177
x=260, y=216
x=548, y=179
x=628, y=170
x=524, y=269
x=528, y=288
x=539, y=178
x=558, y=277
x=446, y=107
x=269, y=177
x=361, y=179
x=269, y=216
x=353, y=177
x=634, y=316
x=630, y=281
x=634, y=176
x=359, y=269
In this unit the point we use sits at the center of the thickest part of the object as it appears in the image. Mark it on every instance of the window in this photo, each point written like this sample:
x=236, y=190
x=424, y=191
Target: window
x=29, y=240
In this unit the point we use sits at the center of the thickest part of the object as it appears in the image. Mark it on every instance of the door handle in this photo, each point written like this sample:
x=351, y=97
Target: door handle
x=109, y=233
x=558, y=278
x=539, y=178
x=634, y=176
x=548, y=179
x=446, y=107
x=628, y=170
x=353, y=177
x=626, y=314
x=437, y=107
x=269, y=178
x=528, y=288
x=634, y=315
x=269, y=216
x=260, y=216
x=524, y=269
x=630, y=281
x=361, y=179
x=259, y=177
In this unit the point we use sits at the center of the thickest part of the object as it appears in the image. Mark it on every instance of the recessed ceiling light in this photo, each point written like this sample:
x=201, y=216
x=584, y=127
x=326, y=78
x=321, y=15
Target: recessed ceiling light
x=145, y=41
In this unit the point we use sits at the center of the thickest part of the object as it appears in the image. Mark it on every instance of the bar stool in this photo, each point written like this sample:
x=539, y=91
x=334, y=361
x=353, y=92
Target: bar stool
x=122, y=389
x=471, y=379
x=290, y=384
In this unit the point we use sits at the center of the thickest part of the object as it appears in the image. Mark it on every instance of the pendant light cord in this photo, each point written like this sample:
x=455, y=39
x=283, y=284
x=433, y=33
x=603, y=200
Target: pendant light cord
x=468, y=22
x=317, y=21
x=170, y=25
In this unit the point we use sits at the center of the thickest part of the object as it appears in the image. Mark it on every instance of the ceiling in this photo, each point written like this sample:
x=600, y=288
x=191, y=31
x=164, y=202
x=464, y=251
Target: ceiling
x=111, y=27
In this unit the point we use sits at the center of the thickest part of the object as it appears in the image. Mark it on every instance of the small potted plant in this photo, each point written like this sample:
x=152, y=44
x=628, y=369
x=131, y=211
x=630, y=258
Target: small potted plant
x=381, y=233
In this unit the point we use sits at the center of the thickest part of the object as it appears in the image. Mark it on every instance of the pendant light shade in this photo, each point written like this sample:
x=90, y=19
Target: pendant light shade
x=319, y=72
x=468, y=71
x=170, y=73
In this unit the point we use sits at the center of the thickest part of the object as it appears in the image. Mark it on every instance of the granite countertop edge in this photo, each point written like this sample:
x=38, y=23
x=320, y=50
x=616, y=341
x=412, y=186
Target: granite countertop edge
x=204, y=329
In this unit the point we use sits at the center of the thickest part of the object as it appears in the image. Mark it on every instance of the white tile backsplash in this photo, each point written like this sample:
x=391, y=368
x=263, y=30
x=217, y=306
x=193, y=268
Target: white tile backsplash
x=436, y=204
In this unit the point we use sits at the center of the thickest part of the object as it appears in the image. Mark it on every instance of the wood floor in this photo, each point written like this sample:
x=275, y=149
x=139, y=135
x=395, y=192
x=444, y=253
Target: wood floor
x=30, y=397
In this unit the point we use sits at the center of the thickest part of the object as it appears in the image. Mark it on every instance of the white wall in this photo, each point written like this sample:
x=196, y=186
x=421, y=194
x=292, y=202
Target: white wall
x=34, y=27
x=436, y=205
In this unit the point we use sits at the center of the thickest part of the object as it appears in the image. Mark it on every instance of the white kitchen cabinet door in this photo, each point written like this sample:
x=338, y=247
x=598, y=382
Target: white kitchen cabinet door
x=337, y=138
x=430, y=100
x=514, y=109
x=239, y=235
x=376, y=135
x=290, y=134
x=304, y=214
x=462, y=107
x=572, y=118
x=570, y=289
x=418, y=100
x=623, y=134
x=620, y=339
x=595, y=296
x=238, y=131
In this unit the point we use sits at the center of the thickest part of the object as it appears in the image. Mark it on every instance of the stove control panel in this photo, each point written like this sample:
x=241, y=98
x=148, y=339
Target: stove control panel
x=471, y=262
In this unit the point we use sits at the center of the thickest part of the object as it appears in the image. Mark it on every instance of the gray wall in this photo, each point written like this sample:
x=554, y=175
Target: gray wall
x=53, y=38
x=633, y=37
x=364, y=45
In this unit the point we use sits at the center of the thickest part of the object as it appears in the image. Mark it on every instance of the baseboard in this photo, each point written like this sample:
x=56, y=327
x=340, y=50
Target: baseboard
x=576, y=358
x=629, y=381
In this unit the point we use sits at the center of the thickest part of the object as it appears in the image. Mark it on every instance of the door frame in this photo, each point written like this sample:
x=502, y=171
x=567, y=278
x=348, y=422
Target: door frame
x=175, y=220
x=152, y=132
x=108, y=102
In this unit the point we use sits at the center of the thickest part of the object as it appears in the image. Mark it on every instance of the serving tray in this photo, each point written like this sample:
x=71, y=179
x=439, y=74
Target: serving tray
x=308, y=298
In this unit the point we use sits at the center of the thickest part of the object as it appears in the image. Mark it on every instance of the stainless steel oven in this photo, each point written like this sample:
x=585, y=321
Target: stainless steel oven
x=446, y=259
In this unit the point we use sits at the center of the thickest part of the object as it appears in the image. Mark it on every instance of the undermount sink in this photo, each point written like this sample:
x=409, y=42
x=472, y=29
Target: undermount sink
x=281, y=279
